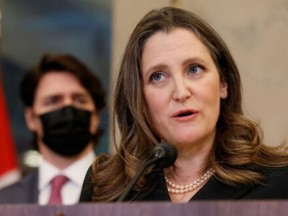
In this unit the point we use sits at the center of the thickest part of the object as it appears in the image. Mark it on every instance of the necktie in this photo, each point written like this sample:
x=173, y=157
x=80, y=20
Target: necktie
x=57, y=183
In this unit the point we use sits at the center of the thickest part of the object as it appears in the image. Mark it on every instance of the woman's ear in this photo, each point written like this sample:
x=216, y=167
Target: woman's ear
x=223, y=90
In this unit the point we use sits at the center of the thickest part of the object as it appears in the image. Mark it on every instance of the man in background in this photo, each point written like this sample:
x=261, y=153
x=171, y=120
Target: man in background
x=62, y=100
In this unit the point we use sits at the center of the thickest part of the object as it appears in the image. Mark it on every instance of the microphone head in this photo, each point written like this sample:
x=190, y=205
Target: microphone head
x=165, y=153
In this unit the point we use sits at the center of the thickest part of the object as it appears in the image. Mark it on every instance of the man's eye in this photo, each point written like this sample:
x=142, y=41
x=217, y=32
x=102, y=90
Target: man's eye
x=157, y=77
x=52, y=100
x=81, y=100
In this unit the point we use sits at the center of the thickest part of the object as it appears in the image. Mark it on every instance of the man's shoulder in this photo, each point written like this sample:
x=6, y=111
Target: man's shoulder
x=20, y=191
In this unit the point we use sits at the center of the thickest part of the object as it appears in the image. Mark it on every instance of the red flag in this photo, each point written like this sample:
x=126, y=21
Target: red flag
x=9, y=171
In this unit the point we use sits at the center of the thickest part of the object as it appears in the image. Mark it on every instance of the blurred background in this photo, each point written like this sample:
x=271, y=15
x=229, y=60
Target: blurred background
x=33, y=28
x=96, y=31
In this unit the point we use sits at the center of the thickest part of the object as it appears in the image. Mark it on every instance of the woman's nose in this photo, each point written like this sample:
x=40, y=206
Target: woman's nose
x=181, y=90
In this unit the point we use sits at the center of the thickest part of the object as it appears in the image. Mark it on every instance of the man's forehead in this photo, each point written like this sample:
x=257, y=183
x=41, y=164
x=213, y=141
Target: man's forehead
x=63, y=94
x=59, y=83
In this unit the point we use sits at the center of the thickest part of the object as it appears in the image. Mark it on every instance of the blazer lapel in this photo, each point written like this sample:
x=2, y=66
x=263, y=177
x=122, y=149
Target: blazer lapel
x=29, y=187
x=212, y=190
x=215, y=189
x=34, y=187
x=158, y=192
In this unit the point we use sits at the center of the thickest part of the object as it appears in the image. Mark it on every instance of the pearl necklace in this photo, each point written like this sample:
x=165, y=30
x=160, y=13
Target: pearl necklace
x=180, y=189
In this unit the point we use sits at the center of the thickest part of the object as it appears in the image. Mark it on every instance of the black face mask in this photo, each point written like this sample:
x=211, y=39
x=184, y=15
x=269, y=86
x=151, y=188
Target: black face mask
x=67, y=130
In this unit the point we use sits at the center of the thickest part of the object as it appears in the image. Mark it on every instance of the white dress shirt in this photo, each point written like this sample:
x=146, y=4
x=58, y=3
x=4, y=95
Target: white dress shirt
x=71, y=190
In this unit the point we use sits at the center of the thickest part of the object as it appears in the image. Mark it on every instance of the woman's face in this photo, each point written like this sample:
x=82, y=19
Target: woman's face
x=181, y=87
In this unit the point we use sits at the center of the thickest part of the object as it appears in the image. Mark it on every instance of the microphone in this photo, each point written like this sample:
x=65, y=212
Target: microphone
x=163, y=155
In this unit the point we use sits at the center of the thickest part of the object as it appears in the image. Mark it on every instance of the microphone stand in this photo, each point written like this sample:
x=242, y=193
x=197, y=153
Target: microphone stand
x=136, y=177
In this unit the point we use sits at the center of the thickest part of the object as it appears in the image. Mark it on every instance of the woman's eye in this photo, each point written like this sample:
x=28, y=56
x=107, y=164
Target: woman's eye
x=194, y=69
x=157, y=77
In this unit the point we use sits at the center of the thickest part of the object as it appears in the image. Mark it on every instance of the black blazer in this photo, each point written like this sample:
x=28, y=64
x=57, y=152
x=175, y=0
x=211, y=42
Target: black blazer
x=24, y=191
x=274, y=186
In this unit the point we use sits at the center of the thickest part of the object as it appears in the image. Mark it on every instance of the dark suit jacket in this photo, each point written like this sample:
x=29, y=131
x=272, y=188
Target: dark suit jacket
x=274, y=186
x=24, y=191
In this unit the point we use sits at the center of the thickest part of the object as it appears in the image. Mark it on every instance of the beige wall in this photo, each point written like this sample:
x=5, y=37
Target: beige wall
x=257, y=34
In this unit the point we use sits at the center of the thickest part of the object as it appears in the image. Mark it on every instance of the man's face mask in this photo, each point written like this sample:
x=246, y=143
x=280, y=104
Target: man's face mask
x=67, y=130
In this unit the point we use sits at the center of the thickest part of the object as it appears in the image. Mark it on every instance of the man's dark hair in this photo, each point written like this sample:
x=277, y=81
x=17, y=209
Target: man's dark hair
x=60, y=63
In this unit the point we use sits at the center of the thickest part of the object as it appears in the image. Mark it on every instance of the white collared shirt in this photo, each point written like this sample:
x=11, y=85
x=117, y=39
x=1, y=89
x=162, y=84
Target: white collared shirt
x=71, y=190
